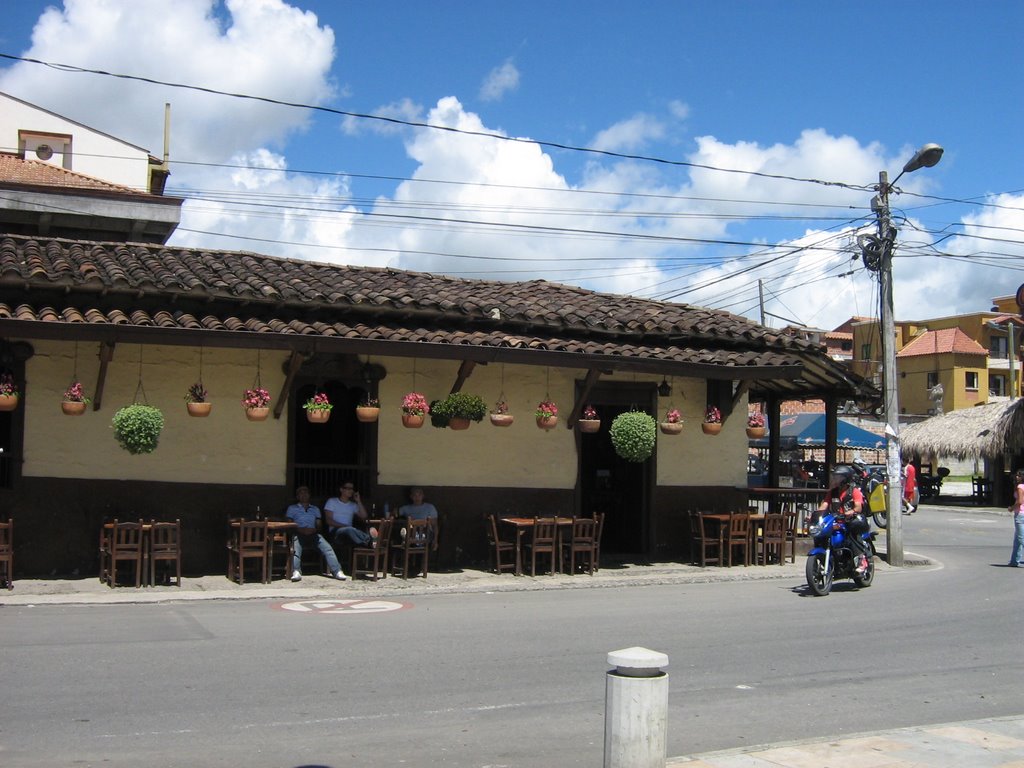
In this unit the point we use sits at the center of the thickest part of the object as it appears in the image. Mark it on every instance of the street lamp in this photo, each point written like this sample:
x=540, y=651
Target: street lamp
x=925, y=157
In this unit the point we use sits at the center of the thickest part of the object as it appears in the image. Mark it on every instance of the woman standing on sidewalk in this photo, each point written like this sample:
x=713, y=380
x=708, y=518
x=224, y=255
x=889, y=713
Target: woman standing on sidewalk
x=1017, y=553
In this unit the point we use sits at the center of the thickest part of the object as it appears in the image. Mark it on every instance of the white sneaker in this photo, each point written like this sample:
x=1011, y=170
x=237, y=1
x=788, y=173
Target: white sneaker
x=296, y=576
x=340, y=576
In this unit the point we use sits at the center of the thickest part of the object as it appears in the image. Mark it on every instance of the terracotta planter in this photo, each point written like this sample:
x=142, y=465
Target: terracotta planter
x=710, y=428
x=367, y=414
x=502, y=419
x=319, y=416
x=549, y=423
x=755, y=432
x=671, y=427
x=199, y=409
x=257, y=414
x=8, y=402
x=589, y=425
x=412, y=421
x=458, y=423
x=72, y=408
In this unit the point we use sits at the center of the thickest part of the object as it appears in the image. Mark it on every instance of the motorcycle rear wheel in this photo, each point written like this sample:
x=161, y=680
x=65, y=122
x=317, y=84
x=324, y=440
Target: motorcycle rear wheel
x=819, y=578
x=881, y=519
x=868, y=575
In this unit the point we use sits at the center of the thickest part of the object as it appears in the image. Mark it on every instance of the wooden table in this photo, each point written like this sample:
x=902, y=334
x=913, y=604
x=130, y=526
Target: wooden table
x=522, y=525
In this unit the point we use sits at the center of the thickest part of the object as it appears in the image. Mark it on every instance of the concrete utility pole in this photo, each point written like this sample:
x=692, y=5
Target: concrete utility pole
x=925, y=157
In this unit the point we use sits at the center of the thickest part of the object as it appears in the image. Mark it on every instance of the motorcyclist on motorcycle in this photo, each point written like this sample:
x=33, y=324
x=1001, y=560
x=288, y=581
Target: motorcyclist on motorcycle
x=844, y=497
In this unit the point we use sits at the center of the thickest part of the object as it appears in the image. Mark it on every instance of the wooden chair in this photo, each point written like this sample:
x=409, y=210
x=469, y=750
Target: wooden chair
x=499, y=547
x=7, y=554
x=279, y=548
x=248, y=542
x=373, y=559
x=582, y=541
x=124, y=544
x=415, y=545
x=790, y=523
x=544, y=541
x=165, y=546
x=772, y=542
x=738, y=535
x=599, y=517
x=710, y=539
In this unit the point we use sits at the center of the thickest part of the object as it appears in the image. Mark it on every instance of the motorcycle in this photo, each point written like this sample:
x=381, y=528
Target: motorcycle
x=832, y=558
x=875, y=487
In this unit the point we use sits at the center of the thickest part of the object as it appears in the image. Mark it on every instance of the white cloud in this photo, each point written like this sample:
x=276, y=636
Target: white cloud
x=629, y=135
x=499, y=81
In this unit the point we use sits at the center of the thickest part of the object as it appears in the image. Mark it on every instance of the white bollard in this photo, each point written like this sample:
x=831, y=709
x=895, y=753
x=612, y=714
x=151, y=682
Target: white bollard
x=636, y=709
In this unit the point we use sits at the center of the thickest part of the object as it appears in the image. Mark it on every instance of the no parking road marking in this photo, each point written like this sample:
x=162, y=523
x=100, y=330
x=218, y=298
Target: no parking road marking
x=343, y=607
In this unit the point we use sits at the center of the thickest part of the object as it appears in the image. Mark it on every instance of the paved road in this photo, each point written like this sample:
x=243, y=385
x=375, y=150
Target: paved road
x=514, y=679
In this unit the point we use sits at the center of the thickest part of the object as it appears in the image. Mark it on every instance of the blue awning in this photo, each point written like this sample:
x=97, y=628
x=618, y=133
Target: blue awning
x=808, y=430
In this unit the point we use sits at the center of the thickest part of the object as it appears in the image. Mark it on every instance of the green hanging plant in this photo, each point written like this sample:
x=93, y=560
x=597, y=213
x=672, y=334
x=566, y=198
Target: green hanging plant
x=137, y=427
x=633, y=435
x=457, y=405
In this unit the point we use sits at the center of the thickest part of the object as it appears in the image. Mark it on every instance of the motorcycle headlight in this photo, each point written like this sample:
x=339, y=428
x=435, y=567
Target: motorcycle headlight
x=815, y=530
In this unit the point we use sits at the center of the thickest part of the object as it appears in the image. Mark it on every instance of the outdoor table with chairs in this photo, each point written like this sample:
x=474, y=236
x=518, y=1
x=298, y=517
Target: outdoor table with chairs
x=550, y=537
x=143, y=544
x=760, y=539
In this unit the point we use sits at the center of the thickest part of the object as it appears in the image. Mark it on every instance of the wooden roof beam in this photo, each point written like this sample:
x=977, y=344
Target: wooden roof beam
x=106, y=354
x=294, y=364
x=465, y=371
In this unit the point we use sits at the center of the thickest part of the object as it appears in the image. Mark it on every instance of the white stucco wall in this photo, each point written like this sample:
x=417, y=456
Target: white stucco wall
x=222, y=448
x=92, y=152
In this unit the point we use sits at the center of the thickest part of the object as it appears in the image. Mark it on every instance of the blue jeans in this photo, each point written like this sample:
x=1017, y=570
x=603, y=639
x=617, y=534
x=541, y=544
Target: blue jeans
x=1017, y=554
x=354, y=535
x=322, y=545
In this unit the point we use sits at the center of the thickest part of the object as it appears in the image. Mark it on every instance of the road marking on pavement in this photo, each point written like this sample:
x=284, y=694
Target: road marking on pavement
x=343, y=607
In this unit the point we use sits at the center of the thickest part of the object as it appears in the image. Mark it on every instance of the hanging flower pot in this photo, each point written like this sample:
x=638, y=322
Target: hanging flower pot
x=673, y=423
x=712, y=423
x=547, y=415
x=256, y=402
x=589, y=422
x=458, y=423
x=199, y=409
x=318, y=408
x=633, y=435
x=368, y=411
x=72, y=407
x=257, y=413
x=137, y=428
x=74, y=400
x=456, y=410
x=755, y=432
x=499, y=415
x=8, y=393
x=755, y=425
x=414, y=410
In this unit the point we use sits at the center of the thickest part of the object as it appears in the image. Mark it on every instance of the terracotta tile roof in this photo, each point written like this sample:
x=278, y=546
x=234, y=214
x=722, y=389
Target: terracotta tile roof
x=110, y=286
x=15, y=170
x=942, y=341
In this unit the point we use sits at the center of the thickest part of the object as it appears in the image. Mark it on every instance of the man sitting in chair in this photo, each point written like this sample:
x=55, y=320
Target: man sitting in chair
x=305, y=515
x=421, y=510
x=340, y=513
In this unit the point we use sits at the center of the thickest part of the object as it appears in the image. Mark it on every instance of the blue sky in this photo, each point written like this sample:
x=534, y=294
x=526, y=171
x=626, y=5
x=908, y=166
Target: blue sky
x=828, y=91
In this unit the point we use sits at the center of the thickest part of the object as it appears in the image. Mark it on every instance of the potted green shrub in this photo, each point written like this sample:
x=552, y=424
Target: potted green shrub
x=137, y=427
x=457, y=410
x=634, y=434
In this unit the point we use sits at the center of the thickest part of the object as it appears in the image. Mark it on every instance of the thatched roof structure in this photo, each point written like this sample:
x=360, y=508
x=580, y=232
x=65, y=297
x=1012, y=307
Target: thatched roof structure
x=985, y=431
